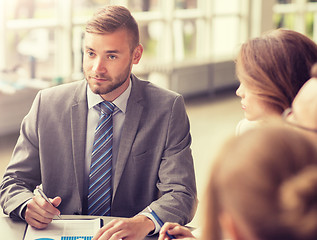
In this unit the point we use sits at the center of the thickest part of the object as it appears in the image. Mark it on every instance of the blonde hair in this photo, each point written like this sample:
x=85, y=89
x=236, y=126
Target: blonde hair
x=267, y=177
x=276, y=65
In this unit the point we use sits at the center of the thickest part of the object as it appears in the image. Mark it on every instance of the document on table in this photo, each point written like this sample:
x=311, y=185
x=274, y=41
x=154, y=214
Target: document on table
x=74, y=229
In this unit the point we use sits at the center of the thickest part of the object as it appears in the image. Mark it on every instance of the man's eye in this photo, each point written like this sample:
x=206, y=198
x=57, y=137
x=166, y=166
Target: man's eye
x=112, y=57
x=90, y=54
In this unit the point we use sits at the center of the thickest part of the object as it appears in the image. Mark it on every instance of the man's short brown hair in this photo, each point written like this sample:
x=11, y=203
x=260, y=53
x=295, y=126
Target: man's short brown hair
x=112, y=18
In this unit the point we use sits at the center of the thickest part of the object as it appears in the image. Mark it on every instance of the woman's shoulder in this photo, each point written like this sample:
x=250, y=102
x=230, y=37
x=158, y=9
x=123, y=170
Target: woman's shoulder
x=245, y=125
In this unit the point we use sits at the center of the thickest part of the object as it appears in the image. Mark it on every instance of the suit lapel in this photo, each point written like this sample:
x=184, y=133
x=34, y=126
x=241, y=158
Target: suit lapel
x=129, y=129
x=78, y=128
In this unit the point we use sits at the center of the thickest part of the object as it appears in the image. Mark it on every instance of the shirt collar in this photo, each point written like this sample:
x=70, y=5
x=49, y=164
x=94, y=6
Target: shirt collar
x=120, y=102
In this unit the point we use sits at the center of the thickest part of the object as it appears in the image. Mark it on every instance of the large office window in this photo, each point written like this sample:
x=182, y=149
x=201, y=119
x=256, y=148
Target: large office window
x=42, y=39
x=28, y=32
x=299, y=15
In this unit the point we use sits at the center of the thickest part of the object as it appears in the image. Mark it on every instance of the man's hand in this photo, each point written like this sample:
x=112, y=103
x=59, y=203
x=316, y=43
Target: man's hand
x=180, y=232
x=135, y=228
x=39, y=213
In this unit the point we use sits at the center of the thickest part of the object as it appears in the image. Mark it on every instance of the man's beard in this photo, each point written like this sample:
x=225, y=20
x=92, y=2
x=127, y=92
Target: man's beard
x=112, y=83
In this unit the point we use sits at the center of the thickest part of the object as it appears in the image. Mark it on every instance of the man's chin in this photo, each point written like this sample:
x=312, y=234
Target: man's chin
x=97, y=89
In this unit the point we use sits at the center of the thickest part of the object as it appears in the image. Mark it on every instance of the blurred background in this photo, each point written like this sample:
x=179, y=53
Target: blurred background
x=189, y=47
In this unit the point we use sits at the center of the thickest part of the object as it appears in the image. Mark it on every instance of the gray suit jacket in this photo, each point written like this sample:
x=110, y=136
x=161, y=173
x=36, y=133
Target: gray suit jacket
x=154, y=164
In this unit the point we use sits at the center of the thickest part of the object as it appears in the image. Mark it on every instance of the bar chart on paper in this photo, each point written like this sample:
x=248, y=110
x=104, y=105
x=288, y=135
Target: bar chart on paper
x=76, y=238
x=65, y=230
x=68, y=238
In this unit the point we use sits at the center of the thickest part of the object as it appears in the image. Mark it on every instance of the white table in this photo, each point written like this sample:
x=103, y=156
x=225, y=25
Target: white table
x=14, y=230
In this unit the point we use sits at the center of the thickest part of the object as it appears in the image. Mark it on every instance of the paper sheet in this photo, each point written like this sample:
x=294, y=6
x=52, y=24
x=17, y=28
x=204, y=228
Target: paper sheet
x=65, y=230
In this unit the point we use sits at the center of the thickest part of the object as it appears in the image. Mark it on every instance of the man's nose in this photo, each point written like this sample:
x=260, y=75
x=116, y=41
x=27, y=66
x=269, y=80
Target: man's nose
x=99, y=66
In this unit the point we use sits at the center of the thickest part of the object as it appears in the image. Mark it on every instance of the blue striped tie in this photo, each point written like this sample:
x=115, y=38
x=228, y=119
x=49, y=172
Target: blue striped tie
x=100, y=188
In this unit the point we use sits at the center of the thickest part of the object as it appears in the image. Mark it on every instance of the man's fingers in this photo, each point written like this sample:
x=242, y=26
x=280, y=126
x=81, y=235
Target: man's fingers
x=35, y=223
x=131, y=228
x=46, y=209
x=56, y=201
x=118, y=235
x=106, y=231
x=39, y=213
x=41, y=207
x=36, y=220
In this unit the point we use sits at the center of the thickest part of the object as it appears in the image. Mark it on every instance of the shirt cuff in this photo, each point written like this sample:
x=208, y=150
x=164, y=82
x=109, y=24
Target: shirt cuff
x=22, y=207
x=157, y=225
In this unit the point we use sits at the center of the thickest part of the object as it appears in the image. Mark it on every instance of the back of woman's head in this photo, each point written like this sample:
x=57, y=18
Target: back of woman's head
x=267, y=178
x=276, y=65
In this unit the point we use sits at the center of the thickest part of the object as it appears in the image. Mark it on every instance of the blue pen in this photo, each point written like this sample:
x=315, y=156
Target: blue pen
x=160, y=222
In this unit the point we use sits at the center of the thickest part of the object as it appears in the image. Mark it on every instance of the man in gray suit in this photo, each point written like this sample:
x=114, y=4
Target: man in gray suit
x=151, y=157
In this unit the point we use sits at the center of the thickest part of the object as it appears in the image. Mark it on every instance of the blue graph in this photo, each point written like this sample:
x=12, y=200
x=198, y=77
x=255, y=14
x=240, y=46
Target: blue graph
x=77, y=238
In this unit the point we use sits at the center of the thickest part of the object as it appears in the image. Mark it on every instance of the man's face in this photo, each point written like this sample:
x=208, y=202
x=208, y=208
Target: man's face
x=108, y=61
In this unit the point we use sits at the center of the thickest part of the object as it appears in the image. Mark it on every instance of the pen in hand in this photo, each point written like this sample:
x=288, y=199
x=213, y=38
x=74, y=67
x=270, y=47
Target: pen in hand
x=160, y=222
x=46, y=198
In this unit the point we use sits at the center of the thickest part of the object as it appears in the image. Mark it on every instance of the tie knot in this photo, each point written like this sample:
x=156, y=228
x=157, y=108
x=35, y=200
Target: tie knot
x=106, y=107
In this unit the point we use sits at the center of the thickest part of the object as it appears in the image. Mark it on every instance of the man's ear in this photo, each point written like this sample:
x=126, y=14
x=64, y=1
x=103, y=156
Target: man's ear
x=137, y=54
x=229, y=227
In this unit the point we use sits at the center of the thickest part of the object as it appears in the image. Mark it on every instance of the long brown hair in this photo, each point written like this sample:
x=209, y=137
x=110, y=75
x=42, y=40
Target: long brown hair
x=276, y=65
x=268, y=177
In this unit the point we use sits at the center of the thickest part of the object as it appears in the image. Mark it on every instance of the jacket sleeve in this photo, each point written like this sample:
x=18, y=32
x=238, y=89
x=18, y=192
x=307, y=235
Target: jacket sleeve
x=23, y=172
x=176, y=174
